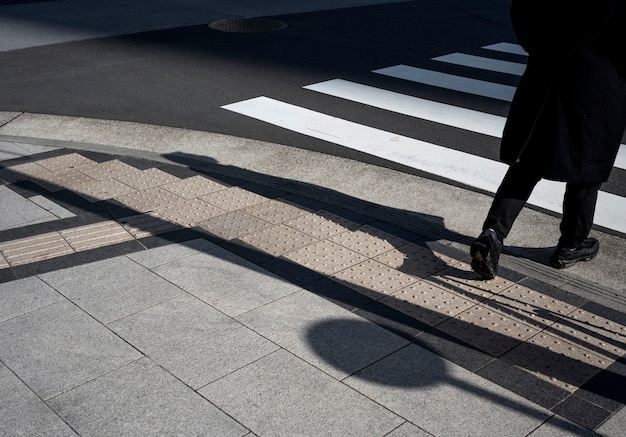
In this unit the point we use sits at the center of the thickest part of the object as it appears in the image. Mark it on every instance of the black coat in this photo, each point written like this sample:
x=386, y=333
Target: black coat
x=569, y=111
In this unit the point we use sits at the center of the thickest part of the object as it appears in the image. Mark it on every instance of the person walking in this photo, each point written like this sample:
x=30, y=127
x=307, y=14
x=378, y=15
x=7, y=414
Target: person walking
x=565, y=123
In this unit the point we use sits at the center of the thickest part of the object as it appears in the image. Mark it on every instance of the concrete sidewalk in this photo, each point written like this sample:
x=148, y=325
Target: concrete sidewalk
x=157, y=281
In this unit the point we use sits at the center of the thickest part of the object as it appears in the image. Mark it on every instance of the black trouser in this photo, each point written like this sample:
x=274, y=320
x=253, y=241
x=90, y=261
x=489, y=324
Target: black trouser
x=579, y=205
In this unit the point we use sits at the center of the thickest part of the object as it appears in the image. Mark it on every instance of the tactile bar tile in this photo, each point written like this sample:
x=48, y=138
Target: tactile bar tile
x=592, y=332
x=108, y=170
x=368, y=240
x=147, y=225
x=461, y=279
x=278, y=240
x=234, y=224
x=490, y=331
x=96, y=235
x=322, y=224
x=34, y=249
x=530, y=306
x=104, y=190
x=152, y=177
x=427, y=303
x=193, y=187
x=64, y=162
x=234, y=198
x=325, y=257
x=276, y=211
x=415, y=260
x=3, y=262
x=148, y=200
x=561, y=363
x=188, y=212
x=373, y=279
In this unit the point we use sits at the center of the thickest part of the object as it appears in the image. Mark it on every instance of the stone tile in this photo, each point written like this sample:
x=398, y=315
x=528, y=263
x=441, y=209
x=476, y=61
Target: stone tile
x=413, y=259
x=23, y=413
x=141, y=399
x=111, y=289
x=234, y=198
x=323, y=334
x=325, y=257
x=453, y=350
x=614, y=427
x=408, y=430
x=58, y=347
x=64, y=162
x=11, y=150
x=225, y=281
x=148, y=225
x=188, y=212
x=373, y=279
x=95, y=235
x=428, y=303
x=194, y=187
x=28, y=170
x=282, y=395
x=558, y=427
x=278, y=240
x=582, y=412
x=148, y=200
x=445, y=399
x=172, y=252
x=563, y=364
x=192, y=340
x=234, y=224
x=25, y=295
x=18, y=211
x=368, y=240
x=4, y=264
x=108, y=170
x=276, y=211
x=152, y=177
x=51, y=207
x=67, y=179
x=34, y=249
x=488, y=330
x=322, y=224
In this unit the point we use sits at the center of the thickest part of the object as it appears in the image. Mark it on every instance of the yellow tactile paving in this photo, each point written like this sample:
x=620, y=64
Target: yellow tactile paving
x=276, y=211
x=233, y=225
x=322, y=224
x=278, y=240
x=34, y=249
x=234, y=198
x=325, y=257
x=193, y=187
x=373, y=279
x=96, y=235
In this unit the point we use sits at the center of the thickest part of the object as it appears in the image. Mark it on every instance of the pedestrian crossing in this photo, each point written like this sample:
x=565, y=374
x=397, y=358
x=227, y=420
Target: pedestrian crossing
x=458, y=166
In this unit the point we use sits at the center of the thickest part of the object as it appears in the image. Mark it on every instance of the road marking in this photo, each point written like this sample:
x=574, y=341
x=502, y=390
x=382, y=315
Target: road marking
x=455, y=165
x=450, y=81
x=483, y=63
x=507, y=47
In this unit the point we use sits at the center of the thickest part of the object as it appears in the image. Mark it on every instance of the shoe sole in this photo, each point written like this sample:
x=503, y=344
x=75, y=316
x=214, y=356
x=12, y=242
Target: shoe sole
x=560, y=264
x=480, y=261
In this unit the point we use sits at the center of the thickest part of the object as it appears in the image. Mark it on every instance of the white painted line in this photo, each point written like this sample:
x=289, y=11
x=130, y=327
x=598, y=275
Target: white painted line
x=482, y=63
x=449, y=115
x=452, y=164
x=450, y=82
x=507, y=47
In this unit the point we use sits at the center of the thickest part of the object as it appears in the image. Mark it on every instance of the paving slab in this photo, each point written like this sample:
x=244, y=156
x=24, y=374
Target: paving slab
x=25, y=295
x=18, y=211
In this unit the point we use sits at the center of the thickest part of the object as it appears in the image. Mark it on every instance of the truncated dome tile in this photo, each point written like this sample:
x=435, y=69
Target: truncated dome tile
x=322, y=224
x=530, y=306
x=188, y=212
x=71, y=160
x=108, y=170
x=275, y=211
x=427, y=303
x=152, y=177
x=234, y=198
x=460, y=278
x=103, y=190
x=27, y=170
x=148, y=200
x=234, y=224
x=557, y=361
x=325, y=257
x=69, y=179
x=368, y=240
x=488, y=330
x=278, y=240
x=414, y=260
x=195, y=186
x=373, y=279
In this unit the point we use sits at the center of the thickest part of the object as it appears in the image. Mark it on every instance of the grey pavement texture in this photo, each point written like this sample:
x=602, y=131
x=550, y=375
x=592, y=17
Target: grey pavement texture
x=157, y=281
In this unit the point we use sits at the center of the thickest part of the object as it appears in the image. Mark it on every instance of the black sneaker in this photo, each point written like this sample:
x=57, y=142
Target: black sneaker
x=564, y=257
x=485, y=252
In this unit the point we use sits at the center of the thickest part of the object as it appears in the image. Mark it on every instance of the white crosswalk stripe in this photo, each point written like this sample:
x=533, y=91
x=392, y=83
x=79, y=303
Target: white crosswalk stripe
x=455, y=165
x=483, y=63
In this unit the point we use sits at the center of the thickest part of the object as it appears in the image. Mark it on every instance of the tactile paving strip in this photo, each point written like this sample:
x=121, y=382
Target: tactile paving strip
x=413, y=259
x=428, y=303
x=461, y=279
x=96, y=235
x=233, y=225
x=368, y=240
x=325, y=257
x=103, y=190
x=34, y=249
x=28, y=170
x=193, y=187
x=152, y=177
x=234, y=198
x=108, y=170
x=147, y=200
x=278, y=240
x=488, y=330
x=322, y=224
x=275, y=211
x=373, y=279
x=64, y=162
x=188, y=212
x=147, y=225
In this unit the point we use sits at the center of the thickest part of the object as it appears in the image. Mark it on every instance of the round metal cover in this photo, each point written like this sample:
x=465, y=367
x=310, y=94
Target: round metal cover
x=248, y=25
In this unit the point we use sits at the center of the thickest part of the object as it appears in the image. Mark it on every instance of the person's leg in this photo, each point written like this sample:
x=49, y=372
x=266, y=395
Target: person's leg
x=579, y=205
x=512, y=195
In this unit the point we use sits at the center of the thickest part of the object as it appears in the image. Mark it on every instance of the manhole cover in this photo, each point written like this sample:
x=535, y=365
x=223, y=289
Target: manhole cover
x=248, y=25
